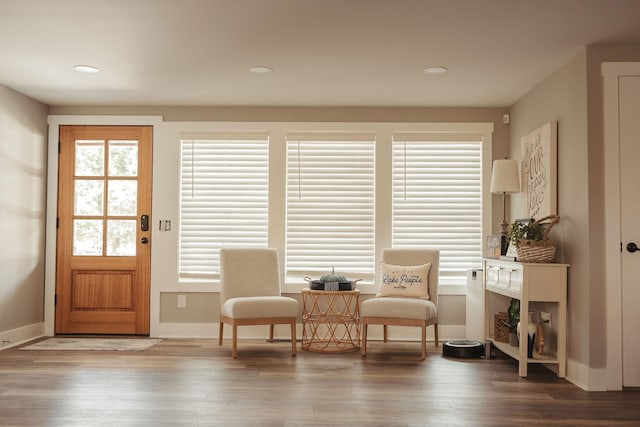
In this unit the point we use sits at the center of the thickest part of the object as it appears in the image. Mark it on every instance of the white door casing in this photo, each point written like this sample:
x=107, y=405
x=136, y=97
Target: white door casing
x=622, y=202
x=54, y=123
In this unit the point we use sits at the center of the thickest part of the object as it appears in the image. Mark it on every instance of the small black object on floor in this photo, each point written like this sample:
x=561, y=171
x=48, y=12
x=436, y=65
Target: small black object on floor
x=463, y=349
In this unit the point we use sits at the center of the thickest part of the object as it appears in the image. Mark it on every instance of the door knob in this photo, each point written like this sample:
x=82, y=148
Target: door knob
x=632, y=247
x=144, y=240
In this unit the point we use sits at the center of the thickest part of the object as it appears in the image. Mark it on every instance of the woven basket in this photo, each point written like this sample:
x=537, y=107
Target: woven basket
x=500, y=330
x=539, y=250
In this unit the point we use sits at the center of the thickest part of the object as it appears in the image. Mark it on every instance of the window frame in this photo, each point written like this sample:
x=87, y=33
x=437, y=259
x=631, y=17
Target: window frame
x=277, y=182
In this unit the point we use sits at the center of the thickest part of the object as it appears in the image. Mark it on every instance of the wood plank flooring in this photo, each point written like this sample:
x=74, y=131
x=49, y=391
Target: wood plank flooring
x=196, y=382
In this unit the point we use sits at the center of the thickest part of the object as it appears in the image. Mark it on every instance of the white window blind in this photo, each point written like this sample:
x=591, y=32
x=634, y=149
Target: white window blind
x=223, y=198
x=437, y=199
x=330, y=205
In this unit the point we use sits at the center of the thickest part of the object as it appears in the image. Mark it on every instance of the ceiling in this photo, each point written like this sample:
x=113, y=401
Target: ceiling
x=323, y=52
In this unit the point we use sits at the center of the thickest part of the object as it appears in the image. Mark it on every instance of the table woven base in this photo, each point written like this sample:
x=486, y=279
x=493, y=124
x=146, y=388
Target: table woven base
x=330, y=321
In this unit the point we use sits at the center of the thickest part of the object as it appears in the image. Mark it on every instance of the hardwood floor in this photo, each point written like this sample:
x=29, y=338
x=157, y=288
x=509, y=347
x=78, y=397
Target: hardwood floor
x=196, y=382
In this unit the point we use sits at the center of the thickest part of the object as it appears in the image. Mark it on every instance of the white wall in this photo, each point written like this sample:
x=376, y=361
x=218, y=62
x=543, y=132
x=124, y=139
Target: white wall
x=23, y=144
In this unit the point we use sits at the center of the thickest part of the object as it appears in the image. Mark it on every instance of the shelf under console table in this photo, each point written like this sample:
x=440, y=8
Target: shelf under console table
x=528, y=282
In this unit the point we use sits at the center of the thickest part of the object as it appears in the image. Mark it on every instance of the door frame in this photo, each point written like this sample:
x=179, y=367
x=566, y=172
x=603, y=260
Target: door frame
x=54, y=122
x=611, y=71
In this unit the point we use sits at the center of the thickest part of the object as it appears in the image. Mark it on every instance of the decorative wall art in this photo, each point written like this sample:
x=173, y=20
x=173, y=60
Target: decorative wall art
x=539, y=171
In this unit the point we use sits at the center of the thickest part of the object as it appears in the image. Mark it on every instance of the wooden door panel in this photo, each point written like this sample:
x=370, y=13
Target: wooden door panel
x=102, y=290
x=105, y=322
x=103, y=254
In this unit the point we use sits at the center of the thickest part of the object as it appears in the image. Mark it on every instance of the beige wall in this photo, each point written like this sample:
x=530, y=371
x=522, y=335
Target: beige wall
x=304, y=114
x=204, y=307
x=23, y=148
x=573, y=96
x=563, y=97
x=201, y=307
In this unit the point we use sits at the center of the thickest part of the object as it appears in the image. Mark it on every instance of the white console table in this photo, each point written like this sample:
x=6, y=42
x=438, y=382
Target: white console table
x=528, y=282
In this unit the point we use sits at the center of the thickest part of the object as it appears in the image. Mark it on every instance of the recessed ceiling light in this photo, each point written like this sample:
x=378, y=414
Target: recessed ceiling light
x=86, y=68
x=435, y=70
x=260, y=70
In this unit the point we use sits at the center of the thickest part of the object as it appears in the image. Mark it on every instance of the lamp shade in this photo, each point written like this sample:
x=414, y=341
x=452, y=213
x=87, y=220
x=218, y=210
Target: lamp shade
x=504, y=177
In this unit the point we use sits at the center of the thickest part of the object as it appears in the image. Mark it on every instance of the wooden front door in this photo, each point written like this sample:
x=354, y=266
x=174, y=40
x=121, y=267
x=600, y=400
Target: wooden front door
x=104, y=230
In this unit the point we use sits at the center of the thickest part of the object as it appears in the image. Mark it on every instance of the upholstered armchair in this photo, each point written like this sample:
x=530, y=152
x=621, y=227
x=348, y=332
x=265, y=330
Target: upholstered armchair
x=250, y=293
x=403, y=298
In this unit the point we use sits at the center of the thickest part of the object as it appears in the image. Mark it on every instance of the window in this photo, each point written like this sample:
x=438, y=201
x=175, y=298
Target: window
x=224, y=198
x=330, y=204
x=437, y=199
x=330, y=195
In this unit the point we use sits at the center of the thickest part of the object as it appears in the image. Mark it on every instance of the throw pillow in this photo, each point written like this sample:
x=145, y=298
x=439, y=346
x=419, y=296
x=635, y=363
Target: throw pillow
x=404, y=280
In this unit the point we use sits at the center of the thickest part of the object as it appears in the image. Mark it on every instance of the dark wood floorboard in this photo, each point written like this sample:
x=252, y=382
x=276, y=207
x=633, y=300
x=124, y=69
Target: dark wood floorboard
x=196, y=382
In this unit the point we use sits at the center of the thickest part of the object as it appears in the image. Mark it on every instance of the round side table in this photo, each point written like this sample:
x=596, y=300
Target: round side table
x=330, y=321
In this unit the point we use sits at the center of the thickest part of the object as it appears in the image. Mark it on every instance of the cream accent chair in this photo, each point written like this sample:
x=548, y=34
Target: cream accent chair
x=250, y=293
x=404, y=311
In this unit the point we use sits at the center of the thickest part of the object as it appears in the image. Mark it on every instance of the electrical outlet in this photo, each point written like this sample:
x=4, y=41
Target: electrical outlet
x=182, y=301
x=545, y=317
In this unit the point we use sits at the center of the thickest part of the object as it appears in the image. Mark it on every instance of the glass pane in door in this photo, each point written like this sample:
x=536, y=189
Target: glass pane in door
x=121, y=237
x=88, y=197
x=87, y=237
x=123, y=197
x=123, y=158
x=89, y=158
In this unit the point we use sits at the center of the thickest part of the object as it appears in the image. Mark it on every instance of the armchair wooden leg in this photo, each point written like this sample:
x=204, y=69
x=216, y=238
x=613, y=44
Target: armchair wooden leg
x=293, y=338
x=271, y=327
x=384, y=332
x=234, y=338
x=435, y=332
x=220, y=333
x=364, y=339
x=424, y=342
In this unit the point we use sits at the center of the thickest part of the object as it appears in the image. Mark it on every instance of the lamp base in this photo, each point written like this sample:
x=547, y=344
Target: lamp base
x=504, y=228
x=504, y=240
x=504, y=245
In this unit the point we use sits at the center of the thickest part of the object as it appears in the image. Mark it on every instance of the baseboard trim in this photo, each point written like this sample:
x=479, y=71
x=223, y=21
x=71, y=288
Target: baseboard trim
x=18, y=336
x=588, y=379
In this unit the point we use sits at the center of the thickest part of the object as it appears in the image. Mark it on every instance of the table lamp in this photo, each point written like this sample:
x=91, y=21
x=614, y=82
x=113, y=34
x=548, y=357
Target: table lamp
x=505, y=180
